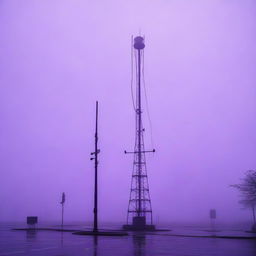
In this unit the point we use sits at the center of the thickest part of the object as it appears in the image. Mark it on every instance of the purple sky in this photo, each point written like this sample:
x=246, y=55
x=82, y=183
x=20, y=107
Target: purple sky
x=58, y=56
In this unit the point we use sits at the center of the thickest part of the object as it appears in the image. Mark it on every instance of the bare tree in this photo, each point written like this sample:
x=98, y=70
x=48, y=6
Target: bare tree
x=247, y=188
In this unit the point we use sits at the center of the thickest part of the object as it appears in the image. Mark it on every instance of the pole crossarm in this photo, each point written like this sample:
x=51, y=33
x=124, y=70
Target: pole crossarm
x=136, y=152
x=135, y=211
x=95, y=153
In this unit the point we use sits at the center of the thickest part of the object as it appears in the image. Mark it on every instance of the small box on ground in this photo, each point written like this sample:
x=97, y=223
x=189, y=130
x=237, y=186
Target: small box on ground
x=32, y=220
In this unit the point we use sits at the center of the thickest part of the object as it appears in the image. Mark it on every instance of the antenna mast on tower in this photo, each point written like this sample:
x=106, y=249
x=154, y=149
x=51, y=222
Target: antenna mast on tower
x=139, y=208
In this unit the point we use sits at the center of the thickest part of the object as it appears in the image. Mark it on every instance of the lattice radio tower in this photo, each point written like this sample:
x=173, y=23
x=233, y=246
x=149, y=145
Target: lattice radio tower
x=139, y=216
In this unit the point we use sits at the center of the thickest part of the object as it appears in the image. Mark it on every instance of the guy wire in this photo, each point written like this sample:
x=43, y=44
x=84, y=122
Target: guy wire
x=147, y=106
x=132, y=94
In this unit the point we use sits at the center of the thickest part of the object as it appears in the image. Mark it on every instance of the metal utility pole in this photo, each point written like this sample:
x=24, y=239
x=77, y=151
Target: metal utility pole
x=95, y=153
x=139, y=203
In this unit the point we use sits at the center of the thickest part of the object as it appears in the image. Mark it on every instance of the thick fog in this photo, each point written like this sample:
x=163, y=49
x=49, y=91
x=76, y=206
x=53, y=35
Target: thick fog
x=57, y=57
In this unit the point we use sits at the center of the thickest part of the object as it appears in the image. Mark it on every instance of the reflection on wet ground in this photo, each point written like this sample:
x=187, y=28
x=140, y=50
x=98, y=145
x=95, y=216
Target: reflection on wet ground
x=139, y=242
x=48, y=243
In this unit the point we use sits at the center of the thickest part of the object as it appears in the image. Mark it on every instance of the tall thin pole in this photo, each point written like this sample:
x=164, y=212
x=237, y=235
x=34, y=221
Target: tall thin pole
x=139, y=130
x=95, y=226
x=62, y=214
x=63, y=199
x=253, y=213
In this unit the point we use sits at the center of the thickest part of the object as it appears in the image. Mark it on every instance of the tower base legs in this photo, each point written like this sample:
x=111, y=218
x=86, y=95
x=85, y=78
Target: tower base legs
x=139, y=224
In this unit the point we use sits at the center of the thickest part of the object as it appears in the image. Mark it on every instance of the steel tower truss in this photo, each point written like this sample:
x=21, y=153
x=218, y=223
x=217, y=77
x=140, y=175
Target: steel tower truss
x=139, y=202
